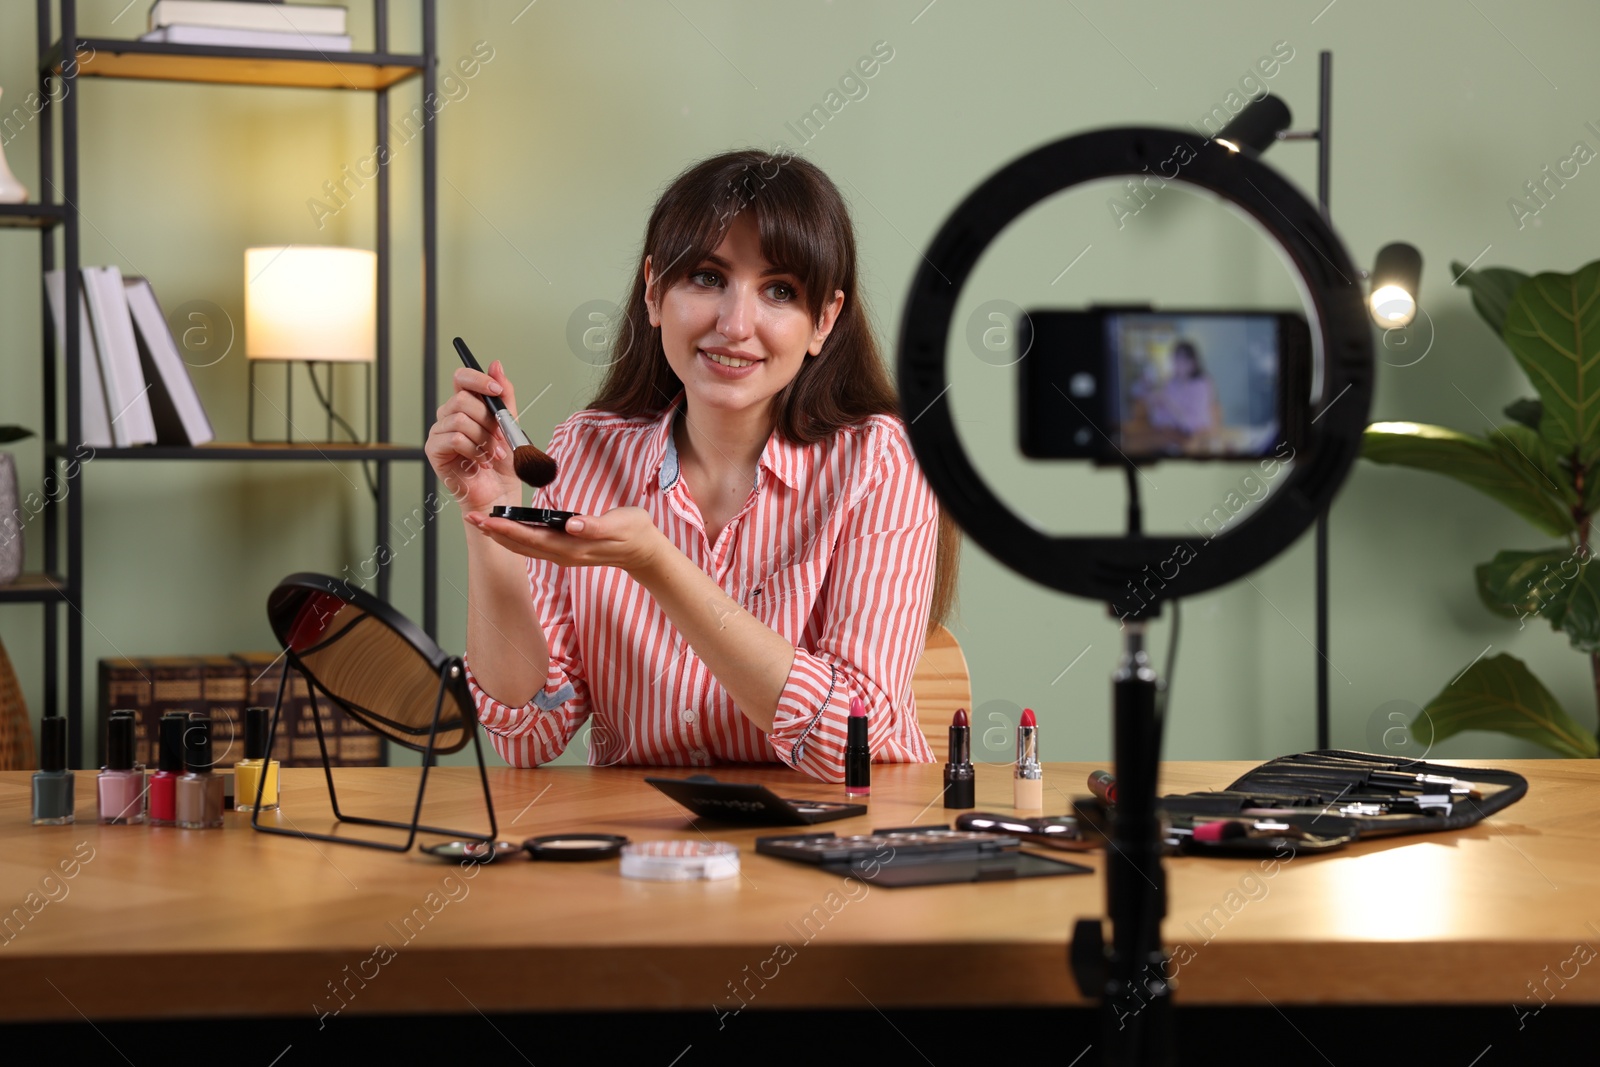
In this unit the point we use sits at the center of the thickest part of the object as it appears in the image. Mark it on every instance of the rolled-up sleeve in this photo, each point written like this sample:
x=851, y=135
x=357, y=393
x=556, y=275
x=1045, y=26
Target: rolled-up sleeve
x=874, y=610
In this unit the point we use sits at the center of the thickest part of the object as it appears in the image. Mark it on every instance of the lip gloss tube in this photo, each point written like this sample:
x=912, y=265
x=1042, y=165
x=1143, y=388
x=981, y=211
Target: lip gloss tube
x=120, y=785
x=857, y=756
x=53, y=791
x=169, y=768
x=1029, y=781
x=960, y=779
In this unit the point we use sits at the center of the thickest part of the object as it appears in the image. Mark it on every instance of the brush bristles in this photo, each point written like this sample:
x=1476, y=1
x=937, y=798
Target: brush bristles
x=533, y=466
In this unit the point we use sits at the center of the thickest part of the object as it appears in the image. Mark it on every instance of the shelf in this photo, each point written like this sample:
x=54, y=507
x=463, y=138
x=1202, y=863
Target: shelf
x=101, y=57
x=32, y=216
x=244, y=450
x=36, y=588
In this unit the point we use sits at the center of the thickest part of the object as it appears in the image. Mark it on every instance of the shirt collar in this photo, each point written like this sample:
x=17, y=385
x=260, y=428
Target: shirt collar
x=783, y=459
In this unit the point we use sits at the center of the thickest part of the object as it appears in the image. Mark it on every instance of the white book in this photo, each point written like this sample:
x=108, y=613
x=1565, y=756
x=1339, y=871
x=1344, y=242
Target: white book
x=127, y=393
x=94, y=423
x=180, y=418
x=240, y=15
x=304, y=42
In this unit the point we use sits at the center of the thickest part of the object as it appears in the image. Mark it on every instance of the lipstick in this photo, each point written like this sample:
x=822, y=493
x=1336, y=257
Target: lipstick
x=959, y=778
x=1029, y=782
x=857, y=756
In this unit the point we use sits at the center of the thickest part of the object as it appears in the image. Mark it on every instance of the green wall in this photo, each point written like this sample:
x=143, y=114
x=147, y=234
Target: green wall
x=551, y=156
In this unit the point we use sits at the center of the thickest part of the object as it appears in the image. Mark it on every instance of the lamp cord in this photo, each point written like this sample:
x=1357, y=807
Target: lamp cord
x=334, y=416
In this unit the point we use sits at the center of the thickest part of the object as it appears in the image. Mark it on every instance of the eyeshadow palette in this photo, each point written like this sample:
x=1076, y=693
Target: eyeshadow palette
x=748, y=803
x=917, y=855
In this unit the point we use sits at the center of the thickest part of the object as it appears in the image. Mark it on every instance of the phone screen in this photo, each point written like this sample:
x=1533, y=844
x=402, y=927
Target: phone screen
x=1118, y=385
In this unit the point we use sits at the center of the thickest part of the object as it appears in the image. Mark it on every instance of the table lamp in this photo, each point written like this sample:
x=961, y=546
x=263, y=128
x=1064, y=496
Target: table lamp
x=316, y=306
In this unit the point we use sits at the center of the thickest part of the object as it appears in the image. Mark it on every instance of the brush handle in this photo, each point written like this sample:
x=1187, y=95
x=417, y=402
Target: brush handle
x=497, y=407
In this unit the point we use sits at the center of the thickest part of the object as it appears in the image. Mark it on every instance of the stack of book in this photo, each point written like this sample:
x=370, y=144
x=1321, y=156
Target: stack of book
x=133, y=385
x=248, y=24
x=221, y=687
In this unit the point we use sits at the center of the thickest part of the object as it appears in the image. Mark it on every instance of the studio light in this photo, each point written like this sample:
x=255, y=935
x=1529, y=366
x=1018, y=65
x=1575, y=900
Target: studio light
x=1256, y=128
x=1396, y=277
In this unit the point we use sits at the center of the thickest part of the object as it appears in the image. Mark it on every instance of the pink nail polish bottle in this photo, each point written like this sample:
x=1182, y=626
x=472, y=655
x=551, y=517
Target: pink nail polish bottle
x=121, y=782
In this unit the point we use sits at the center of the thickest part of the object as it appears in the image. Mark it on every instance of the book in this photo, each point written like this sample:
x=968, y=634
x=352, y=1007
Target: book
x=287, y=39
x=127, y=393
x=94, y=421
x=245, y=15
x=179, y=417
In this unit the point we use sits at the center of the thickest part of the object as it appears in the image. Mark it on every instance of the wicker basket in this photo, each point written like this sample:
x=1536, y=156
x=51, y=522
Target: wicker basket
x=16, y=736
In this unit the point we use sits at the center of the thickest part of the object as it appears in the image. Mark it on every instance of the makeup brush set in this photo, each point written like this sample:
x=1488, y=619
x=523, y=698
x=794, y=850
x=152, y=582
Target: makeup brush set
x=1320, y=800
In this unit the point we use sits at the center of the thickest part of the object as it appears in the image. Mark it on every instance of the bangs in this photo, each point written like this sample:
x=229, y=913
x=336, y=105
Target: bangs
x=800, y=231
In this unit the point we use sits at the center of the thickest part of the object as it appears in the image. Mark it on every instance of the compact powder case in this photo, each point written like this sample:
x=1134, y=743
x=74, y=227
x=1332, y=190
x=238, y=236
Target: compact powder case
x=454, y=851
x=574, y=848
x=680, y=861
x=555, y=520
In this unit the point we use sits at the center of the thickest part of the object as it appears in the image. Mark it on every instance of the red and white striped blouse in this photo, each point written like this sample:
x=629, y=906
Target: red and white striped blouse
x=834, y=550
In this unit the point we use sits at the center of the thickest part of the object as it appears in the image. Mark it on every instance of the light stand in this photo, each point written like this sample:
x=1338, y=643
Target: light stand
x=1131, y=978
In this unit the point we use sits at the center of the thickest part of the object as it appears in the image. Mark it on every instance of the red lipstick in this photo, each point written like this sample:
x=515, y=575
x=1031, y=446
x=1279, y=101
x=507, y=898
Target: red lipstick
x=1029, y=779
x=857, y=756
x=960, y=780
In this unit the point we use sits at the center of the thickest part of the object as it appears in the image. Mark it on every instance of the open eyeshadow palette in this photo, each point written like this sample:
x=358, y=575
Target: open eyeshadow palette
x=917, y=855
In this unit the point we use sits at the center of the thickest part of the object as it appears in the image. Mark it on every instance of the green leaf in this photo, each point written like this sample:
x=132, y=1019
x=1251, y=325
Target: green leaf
x=1552, y=326
x=1524, y=449
x=1516, y=584
x=1527, y=411
x=1491, y=291
x=13, y=433
x=1501, y=694
x=1495, y=467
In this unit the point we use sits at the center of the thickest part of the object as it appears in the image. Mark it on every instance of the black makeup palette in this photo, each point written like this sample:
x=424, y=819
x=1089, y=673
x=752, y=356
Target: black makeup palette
x=749, y=803
x=917, y=855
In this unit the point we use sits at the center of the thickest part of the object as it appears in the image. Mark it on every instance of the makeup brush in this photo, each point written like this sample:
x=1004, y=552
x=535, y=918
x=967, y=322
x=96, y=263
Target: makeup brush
x=532, y=466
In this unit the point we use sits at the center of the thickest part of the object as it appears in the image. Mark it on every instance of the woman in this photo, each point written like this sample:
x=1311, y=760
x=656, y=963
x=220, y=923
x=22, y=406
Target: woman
x=1185, y=406
x=755, y=545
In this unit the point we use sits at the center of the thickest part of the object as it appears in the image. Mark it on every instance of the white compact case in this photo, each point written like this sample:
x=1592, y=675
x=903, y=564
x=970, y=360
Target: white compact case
x=680, y=861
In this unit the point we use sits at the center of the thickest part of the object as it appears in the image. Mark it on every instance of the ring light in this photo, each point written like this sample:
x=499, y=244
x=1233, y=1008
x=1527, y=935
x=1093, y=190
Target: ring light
x=1100, y=567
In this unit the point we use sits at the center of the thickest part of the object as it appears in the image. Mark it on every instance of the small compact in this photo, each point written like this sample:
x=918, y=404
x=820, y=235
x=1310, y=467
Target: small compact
x=574, y=848
x=680, y=861
x=555, y=520
x=477, y=851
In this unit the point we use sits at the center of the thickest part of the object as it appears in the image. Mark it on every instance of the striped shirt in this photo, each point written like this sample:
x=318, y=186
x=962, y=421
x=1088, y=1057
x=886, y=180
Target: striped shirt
x=833, y=549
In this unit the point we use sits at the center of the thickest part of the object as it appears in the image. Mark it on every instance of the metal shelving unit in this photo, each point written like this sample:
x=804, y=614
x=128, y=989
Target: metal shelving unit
x=62, y=581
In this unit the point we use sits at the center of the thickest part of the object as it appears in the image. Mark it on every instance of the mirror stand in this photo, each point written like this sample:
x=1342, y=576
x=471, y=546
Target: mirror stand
x=449, y=670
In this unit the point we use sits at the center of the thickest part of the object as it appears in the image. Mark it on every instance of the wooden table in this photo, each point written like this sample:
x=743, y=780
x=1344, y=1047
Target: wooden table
x=162, y=922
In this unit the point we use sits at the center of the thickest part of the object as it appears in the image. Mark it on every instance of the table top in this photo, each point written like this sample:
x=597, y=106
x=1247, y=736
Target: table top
x=138, y=922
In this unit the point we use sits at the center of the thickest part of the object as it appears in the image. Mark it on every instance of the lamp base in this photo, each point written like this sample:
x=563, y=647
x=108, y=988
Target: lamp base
x=291, y=433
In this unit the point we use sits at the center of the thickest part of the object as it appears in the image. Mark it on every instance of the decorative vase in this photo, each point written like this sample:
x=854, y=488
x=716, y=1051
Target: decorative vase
x=11, y=190
x=10, y=521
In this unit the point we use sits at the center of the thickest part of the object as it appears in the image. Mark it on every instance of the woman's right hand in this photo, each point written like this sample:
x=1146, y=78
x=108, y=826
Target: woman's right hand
x=465, y=446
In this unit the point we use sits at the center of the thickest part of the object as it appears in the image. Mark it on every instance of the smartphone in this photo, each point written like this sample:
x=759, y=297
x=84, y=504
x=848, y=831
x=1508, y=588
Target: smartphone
x=1117, y=385
x=555, y=520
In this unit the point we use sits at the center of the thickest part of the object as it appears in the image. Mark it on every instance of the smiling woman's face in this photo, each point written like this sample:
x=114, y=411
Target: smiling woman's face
x=737, y=329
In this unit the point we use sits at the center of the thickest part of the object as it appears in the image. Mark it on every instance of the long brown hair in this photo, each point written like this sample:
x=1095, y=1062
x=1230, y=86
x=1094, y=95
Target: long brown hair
x=804, y=225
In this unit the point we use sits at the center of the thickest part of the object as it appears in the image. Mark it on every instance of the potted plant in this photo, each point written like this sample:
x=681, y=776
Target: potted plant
x=10, y=509
x=1543, y=464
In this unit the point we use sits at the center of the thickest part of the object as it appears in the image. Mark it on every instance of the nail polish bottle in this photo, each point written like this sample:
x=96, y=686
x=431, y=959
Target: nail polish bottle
x=164, y=783
x=199, y=791
x=121, y=784
x=53, y=793
x=249, y=772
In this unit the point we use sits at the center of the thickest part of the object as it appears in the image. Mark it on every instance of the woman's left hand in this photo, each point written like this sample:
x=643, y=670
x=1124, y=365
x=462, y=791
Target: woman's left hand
x=622, y=537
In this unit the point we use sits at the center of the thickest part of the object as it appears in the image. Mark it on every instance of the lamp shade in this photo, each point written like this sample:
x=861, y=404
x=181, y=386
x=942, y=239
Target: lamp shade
x=314, y=304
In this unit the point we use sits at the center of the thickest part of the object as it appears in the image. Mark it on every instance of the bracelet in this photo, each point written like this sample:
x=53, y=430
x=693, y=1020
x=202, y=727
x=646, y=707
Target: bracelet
x=799, y=746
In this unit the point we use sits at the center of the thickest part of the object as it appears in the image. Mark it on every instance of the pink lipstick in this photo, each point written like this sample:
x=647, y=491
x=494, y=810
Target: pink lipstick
x=857, y=756
x=1029, y=781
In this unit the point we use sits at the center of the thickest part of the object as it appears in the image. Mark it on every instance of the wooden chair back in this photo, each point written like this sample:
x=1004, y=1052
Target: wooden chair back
x=941, y=683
